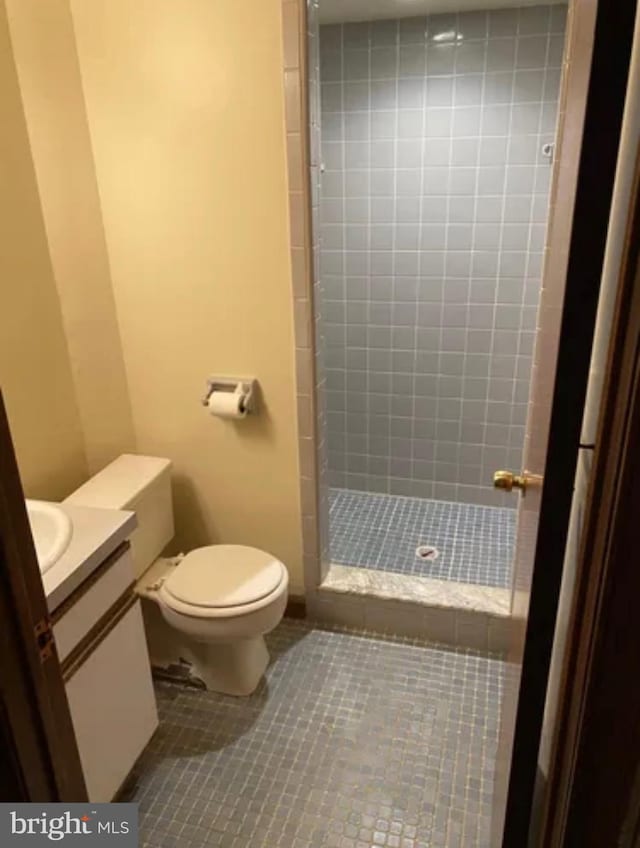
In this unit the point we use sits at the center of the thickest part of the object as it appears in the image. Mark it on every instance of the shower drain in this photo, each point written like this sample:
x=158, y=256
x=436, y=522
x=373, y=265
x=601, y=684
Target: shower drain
x=427, y=552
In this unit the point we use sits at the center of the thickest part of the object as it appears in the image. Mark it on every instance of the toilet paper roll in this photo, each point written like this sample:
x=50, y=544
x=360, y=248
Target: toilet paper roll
x=226, y=404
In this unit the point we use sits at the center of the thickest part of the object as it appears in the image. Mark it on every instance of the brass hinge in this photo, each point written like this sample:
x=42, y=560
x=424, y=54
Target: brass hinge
x=44, y=638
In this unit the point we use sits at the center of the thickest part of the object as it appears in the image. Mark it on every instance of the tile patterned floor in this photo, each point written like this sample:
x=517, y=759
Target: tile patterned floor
x=350, y=742
x=382, y=532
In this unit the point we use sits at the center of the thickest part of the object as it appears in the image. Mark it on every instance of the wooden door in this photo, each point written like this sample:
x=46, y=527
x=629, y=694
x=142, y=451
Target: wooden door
x=594, y=781
x=41, y=761
x=591, y=107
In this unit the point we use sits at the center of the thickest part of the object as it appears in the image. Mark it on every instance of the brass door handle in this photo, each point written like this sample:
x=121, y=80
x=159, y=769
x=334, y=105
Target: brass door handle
x=507, y=481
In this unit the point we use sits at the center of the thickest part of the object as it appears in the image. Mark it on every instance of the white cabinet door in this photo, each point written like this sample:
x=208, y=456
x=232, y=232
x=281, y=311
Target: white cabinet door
x=113, y=706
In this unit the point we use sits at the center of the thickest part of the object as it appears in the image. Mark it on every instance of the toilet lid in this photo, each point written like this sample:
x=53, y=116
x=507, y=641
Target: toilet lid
x=224, y=576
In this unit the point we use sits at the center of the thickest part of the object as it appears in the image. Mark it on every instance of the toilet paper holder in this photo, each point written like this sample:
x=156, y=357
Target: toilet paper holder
x=245, y=386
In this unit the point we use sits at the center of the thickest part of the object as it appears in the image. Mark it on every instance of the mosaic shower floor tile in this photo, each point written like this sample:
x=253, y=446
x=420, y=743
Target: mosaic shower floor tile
x=349, y=742
x=471, y=544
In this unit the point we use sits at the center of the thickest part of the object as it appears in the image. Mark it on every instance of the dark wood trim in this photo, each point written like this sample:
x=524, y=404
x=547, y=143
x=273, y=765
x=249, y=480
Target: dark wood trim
x=19, y=708
x=296, y=607
x=594, y=792
x=598, y=157
x=32, y=695
x=12, y=784
x=89, y=583
x=99, y=632
x=630, y=833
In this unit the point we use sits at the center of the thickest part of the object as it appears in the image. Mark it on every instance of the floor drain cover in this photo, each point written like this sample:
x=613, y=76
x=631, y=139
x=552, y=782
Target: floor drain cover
x=427, y=552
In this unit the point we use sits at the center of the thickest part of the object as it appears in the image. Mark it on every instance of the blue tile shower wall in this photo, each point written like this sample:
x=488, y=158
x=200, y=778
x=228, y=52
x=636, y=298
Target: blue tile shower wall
x=434, y=202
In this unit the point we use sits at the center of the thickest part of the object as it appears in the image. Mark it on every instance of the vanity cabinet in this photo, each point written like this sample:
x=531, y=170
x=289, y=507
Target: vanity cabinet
x=105, y=664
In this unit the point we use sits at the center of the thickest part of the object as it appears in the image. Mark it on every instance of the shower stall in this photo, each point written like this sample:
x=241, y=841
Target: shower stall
x=436, y=143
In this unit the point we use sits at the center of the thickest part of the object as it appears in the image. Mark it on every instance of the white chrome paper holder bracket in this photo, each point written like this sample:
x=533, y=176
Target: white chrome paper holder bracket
x=245, y=386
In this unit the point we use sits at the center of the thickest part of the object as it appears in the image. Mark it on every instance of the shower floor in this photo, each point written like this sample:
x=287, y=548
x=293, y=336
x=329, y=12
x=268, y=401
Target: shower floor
x=382, y=532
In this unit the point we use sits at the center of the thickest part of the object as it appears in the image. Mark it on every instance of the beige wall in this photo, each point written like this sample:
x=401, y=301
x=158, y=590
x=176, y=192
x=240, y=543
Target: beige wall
x=35, y=372
x=185, y=108
x=49, y=75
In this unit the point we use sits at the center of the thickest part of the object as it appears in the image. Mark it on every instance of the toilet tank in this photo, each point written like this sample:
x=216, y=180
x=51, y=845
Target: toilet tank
x=141, y=484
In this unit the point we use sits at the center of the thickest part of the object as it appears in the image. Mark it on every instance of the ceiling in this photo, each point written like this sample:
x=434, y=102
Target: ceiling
x=337, y=11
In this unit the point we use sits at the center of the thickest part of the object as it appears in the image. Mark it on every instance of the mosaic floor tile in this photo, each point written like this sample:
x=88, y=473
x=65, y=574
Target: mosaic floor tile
x=382, y=532
x=349, y=742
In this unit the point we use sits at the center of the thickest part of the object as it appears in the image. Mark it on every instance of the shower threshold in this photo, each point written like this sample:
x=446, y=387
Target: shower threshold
x=426, y=591
x=463, y=615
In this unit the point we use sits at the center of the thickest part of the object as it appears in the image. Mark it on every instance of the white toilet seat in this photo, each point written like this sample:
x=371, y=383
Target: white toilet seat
x=224, y=581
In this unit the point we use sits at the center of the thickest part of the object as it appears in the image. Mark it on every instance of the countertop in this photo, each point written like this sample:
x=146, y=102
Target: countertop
x=96, y=534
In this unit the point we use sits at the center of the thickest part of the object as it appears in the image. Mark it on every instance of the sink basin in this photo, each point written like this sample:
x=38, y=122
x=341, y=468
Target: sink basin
x=51, y=530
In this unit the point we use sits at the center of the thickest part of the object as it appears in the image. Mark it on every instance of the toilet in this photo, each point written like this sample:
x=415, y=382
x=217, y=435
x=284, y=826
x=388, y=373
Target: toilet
x=206, y=612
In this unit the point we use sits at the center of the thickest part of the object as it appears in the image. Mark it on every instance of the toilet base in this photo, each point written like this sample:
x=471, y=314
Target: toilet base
x=233, y=668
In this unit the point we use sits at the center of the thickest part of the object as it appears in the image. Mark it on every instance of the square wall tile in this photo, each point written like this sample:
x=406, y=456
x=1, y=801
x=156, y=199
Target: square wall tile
x=434, y=200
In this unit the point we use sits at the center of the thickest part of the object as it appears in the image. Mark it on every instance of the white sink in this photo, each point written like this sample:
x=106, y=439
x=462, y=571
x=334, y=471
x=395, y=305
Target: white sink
x=51, y=529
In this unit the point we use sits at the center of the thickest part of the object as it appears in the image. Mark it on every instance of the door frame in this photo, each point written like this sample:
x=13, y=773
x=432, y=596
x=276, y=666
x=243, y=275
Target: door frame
x=34, y=709
x=596, y=174
x=43, y=763
x=594, y=785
